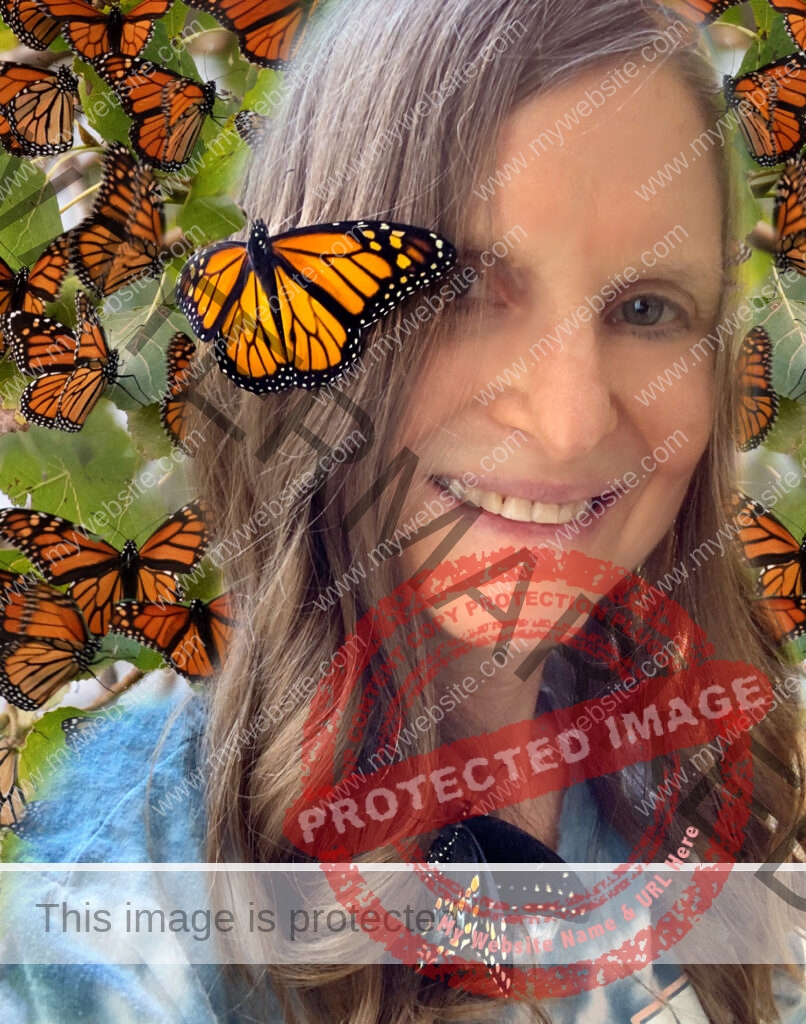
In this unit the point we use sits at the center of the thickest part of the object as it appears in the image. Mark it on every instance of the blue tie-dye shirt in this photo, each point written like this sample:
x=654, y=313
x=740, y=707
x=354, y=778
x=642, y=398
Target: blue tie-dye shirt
x=95, y=814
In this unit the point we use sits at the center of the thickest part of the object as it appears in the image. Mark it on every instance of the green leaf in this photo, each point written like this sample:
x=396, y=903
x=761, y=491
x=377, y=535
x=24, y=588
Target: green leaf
x=29, y=211
x=772, y=41
x=101, y=106
x=168, y=49
x=147, y=433
x=211, y=218
x=224, y=168
x=45, y=751
x=789, y=433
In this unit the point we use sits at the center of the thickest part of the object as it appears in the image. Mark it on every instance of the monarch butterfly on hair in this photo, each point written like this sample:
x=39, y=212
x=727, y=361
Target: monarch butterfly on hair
x=193, y=638
x=758, y=402
x=46, y=645
x=770, y=104
x=76, y=367
x=289, y=310
x=269, y=32
x=167, y=110
x=32, y=25
x=37, y=109
x=122, y=239
x=90, y=33
x=99, y=574
x=789, y=216
x=173, y=407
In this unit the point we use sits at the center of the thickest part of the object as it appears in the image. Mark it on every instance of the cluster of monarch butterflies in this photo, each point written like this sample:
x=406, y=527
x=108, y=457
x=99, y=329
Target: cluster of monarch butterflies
x=49, y=637
x=167, y=110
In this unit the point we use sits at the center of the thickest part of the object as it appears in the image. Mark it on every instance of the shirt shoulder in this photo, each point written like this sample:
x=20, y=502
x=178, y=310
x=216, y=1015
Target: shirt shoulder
x=129, y=788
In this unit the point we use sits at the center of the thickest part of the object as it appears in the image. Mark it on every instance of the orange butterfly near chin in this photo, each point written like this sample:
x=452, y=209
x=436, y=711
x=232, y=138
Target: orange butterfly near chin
x=768, y=545
x=98, y=574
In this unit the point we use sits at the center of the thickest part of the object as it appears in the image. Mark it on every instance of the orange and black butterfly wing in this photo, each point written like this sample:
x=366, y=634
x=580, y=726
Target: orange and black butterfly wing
x=38, y=344
x=40, y=402
x=193, y=639
x=788, y=615
x=268, y=32
x=61, y=550
x=701, y=12
x=770, y=104
x=790, y=217
x=33, y=671
x=794, y=12
x=121, y=240
x=252, y=127
x=290, y=310
x=138, y=254
x=42, y=111
x=167, y=110
x=174, y=548
x=173, y=407
x=30, y=21
x=47, y=275
x=40, y=611
x=138, y=26
x=12, y=801
x=758, y=403
x=767, y=544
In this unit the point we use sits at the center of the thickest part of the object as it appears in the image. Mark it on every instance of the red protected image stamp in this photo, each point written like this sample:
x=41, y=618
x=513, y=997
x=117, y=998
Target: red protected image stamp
x=658, y=716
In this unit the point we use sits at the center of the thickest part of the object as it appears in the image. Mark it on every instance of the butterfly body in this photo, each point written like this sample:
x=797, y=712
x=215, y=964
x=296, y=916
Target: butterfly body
x=167, y=110
x=99, y=574
x=290, y=310
x=192, y=638
x=90, y=33
x=122, y=239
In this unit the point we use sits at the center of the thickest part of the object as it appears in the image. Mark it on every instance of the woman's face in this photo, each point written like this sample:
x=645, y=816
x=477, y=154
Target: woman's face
x=607, y=271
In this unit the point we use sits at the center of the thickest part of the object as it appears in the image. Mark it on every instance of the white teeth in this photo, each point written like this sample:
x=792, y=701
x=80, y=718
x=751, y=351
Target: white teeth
x=492, y=502
x=518, y=509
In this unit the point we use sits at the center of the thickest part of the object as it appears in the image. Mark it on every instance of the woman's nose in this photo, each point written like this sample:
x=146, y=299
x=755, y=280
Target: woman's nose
x=564, y=400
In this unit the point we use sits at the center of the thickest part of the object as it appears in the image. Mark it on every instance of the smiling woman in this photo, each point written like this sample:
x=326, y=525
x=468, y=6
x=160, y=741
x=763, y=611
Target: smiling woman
x=580, y=289
x=573, y=288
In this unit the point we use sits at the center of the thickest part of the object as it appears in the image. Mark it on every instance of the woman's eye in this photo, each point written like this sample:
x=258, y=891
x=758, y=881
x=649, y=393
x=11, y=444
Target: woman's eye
x=648, y=311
